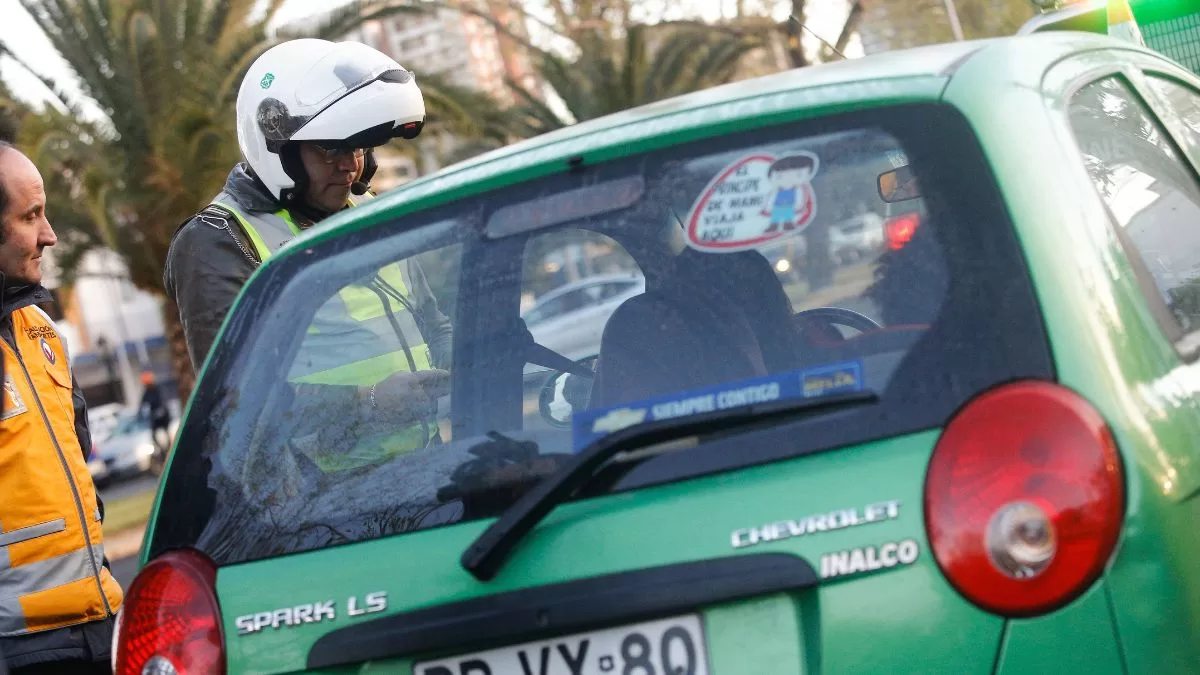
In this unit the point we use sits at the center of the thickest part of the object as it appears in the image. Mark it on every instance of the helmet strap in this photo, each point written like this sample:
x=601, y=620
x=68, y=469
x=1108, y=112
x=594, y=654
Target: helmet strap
x=293, y=166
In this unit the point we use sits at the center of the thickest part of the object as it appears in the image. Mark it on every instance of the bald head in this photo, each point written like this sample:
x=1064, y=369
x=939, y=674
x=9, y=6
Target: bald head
x=5, y=146
x=24, y=230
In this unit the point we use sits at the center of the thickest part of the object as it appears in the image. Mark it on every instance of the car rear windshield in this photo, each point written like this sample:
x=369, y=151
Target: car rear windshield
x=407, y=375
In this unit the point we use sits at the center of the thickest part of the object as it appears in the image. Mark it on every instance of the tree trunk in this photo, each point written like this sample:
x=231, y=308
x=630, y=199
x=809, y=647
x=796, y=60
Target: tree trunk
x=795, y=35
x=181, y=362
x=851, y=26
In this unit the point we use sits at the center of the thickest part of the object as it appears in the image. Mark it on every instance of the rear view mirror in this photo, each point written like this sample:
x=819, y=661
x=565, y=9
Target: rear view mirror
x=898, y=185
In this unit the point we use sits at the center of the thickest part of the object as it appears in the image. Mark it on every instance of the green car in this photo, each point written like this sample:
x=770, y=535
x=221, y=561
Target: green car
x=973, y=448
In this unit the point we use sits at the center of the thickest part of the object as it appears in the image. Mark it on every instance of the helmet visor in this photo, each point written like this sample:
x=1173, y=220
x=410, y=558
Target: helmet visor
x=348, y=67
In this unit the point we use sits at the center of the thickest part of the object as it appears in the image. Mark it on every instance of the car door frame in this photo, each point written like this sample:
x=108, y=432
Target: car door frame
x=1159, y=417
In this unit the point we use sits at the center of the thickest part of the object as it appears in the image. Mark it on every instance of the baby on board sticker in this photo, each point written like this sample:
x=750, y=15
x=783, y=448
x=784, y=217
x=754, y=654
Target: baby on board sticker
x=753, y=200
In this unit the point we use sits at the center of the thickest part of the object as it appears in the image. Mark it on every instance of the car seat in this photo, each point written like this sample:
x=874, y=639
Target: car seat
x=749, y=281
x=674, y=338
x=717, y=317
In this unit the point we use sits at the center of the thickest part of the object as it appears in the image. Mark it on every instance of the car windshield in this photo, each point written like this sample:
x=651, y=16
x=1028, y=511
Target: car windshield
x=128, y=424
x=385, y=382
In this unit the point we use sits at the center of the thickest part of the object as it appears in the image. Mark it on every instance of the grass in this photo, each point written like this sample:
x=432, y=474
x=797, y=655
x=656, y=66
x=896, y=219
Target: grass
x=121, y=514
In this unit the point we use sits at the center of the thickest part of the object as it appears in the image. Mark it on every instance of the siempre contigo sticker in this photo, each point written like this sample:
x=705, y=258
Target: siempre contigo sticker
x=754, y=200
x=589, y=425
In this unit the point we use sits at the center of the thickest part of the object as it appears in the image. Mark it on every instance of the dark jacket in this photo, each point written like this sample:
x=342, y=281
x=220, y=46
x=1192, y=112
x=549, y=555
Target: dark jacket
x=153, y=404
x=90, y=641
x=210, y=258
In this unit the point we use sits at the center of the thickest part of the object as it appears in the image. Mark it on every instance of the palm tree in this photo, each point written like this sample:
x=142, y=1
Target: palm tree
x=164, y=77
x=897, y=24
x=11, y=113
x=644, y=65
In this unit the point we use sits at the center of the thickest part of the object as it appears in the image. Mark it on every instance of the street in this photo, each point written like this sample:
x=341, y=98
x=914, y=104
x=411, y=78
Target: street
x=128, y=488
x=125, y=568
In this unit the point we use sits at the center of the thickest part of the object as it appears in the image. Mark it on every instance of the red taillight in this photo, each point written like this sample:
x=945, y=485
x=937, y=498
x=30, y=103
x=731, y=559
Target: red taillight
x=900, y=230
x=1024, y=498
x=170, y=620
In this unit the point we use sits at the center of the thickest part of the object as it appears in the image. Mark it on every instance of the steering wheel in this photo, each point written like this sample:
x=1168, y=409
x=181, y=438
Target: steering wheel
x=818, y=324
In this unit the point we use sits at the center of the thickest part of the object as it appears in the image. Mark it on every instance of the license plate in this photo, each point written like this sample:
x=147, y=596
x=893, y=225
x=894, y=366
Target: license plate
x=665, y=646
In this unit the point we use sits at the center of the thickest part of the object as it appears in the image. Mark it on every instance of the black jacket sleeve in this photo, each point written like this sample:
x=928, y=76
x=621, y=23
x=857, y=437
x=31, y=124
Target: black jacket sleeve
x=207, y=264
x=82, y=430
x=435, y=326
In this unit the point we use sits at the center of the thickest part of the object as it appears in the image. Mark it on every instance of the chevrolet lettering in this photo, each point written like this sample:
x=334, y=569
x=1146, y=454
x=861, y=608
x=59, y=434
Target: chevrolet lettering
x=821, y=522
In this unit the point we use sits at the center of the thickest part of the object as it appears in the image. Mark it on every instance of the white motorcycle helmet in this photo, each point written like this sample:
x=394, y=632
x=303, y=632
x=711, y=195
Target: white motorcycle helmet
x=340, y=95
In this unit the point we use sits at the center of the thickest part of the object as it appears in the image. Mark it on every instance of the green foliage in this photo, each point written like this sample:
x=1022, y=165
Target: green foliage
x=645, y=64
x=897, y=24
x=11, y=112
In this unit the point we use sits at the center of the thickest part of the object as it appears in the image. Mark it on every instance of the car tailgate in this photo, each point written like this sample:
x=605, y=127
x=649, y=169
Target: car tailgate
x=872, y=599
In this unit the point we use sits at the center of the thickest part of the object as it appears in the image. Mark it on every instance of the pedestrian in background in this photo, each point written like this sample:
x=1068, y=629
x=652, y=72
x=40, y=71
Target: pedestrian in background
x=154, y=405
x=57, y=597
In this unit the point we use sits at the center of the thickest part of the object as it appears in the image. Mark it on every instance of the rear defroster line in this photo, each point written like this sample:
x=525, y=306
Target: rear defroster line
x=556, y=609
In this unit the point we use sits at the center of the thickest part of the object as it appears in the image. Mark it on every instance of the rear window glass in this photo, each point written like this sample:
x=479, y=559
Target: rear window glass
x=403, y=377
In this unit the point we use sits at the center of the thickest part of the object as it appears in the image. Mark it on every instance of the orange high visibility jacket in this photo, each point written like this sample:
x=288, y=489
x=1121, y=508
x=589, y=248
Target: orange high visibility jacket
x=51, y=551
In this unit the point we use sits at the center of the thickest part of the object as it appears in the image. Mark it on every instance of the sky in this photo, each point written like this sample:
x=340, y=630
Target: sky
x=22, y=35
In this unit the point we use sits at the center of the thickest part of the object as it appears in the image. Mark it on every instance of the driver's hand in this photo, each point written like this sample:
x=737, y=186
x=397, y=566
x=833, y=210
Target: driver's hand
x=411, y=394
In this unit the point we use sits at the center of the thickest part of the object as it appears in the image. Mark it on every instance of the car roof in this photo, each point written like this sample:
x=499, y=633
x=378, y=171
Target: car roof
x=906, y=75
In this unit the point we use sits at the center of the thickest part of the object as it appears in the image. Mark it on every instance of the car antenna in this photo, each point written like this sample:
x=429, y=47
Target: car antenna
x=810, y=31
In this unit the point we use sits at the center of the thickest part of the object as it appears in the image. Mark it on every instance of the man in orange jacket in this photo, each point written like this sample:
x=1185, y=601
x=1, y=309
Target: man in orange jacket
x=57, y=596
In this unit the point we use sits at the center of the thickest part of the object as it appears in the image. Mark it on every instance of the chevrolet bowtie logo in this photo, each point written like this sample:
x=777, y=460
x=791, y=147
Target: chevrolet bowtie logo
x=619, y=419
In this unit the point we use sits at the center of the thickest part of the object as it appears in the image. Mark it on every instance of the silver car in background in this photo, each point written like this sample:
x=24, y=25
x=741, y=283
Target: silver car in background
x=570, y=319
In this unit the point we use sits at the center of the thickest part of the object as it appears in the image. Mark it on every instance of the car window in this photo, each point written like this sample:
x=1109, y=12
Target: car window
x=1183, y=102
x=1148, y=186
x=740, y=294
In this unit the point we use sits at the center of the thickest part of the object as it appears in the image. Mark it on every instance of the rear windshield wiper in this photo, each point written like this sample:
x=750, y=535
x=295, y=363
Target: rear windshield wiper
x=484, y=557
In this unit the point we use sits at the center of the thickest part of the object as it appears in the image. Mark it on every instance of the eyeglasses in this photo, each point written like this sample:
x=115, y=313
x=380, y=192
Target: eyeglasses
x=332, y=155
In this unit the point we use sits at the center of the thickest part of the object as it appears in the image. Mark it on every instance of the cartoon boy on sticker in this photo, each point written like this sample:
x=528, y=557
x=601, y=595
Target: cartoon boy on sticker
x=790, y=202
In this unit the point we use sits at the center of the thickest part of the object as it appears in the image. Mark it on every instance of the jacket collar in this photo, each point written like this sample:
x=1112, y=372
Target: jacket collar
x=253, y=197
x=14, y=297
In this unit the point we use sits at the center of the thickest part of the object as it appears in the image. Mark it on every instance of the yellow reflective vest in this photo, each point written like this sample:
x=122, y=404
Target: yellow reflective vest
x=51, y=544
x=352, y=339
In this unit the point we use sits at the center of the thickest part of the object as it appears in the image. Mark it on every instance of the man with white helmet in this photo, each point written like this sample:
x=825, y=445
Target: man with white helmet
x=309, y=113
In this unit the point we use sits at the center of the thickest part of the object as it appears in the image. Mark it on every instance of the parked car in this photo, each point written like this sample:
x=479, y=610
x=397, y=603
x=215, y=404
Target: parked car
x=125, y=448
x=997, y=474
x=570, y=318
x=857, y=238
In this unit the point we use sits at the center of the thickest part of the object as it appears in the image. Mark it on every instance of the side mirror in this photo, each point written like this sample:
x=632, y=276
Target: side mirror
x=898, y=185
x=564, y=393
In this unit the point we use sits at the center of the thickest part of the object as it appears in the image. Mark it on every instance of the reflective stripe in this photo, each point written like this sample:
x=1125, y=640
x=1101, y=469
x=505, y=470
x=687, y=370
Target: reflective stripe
x=351, y=340
x=370, y=450
x=358, y=352
x=48, y=573
x=267, y=231
x=32, y=532
x=12, y=618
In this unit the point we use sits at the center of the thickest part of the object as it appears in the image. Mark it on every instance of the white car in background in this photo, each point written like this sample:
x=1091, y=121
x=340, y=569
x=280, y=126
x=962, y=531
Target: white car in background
x=121, y=443
x=570, y=319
